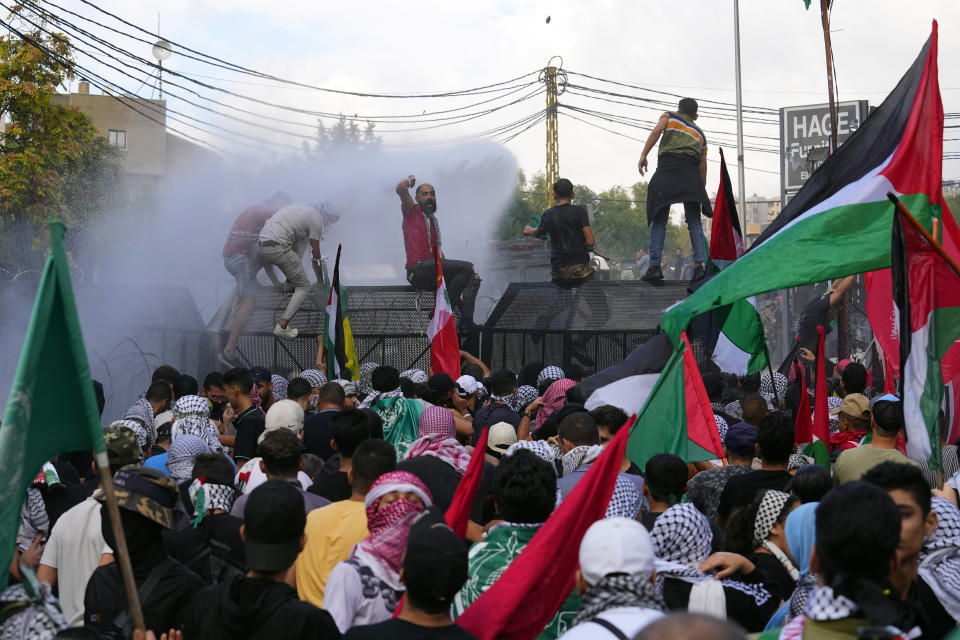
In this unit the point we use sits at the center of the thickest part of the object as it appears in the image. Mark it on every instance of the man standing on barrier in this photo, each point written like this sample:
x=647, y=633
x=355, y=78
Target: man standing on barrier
x=571, y=239
x=421, y=237
x=283, y=240
x=680, y=177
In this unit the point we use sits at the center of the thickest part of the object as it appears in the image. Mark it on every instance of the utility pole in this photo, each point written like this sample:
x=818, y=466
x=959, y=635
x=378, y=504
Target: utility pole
x=741, y=180
x=550, y=78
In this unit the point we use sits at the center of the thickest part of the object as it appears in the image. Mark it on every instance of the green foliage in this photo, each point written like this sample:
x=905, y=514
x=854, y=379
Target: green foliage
x=345, y=133
x=53, y=162
x=953, y=201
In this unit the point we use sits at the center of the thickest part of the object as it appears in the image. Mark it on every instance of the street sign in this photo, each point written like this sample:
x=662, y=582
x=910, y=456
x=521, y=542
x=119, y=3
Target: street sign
x=805, y=139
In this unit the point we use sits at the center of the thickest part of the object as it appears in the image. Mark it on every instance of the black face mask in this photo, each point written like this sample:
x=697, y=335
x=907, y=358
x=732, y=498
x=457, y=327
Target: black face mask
x=216, y=412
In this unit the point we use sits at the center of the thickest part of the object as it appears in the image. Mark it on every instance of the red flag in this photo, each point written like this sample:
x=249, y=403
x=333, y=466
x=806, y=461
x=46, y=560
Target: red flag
x=701, y=424
x=726, y=238
x=521, y=602
x=458, y=513
x=821, y=416
x=444, y=345
x=803, y=421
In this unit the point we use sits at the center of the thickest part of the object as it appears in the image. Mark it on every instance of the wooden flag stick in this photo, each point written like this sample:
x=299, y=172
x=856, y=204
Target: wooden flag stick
x=123, y=554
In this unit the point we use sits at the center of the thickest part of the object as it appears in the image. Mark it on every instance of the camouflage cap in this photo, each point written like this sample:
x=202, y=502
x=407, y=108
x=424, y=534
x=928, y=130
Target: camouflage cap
x=123, y=447
x=147, y=492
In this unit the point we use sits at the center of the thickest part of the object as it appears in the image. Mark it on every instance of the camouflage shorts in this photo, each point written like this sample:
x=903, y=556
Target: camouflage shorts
x=571, y=275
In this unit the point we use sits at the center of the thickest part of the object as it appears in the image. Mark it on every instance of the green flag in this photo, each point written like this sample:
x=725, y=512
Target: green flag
x=43, y=419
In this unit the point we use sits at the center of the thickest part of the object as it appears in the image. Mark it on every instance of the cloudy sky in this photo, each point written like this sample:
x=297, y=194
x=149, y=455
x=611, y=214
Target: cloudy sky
x=660, y=47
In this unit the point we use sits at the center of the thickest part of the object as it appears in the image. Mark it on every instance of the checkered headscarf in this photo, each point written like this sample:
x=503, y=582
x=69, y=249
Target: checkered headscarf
x=436, y=421
x=682, y=535
x=522, y=398
x=207, y=495
x=538, y=448
x=626, y=500
x=417, y=376
x=182, y=452
x=779, y=382
x=365, y=383
x=550, y=373
x=940, y=558
x=721, y=427
x=315, y=377
x=770, y=507
x=137, y=428
x=279, y=387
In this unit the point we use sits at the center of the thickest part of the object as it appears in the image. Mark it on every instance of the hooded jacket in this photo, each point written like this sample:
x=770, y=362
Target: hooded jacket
x=255, y=608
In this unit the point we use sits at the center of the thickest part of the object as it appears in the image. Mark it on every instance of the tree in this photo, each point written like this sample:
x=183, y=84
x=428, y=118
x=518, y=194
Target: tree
x=53, y=161
x=344, y=134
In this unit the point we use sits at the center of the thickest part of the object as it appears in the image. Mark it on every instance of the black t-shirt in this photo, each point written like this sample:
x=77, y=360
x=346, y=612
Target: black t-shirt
x=249, y=426
x=934, y=620
x=220, y=533
x=106, y=598
x=317, y=434
x=397, y=629
x=255, y=608
x=775, y=576
x=565, y=223
x=486, y=417
x=741, y=607
x=331, y=483
x=741, y=489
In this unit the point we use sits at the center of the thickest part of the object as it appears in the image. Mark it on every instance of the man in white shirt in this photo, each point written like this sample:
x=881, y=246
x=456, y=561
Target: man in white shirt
x=76, y=546
x=616, y=582
x=283, y=239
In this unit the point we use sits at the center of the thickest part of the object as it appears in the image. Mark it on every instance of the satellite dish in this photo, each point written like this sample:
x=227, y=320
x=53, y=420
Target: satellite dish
x=162, y=50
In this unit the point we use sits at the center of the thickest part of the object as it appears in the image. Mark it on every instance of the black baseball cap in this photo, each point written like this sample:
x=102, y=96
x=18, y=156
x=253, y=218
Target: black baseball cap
x=274, y=519
x=442, y=383
x=741, y=439
x=435, y=563
x=261, y=374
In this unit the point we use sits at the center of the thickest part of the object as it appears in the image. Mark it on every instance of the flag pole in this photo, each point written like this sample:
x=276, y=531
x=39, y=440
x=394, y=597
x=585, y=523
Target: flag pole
x=741, y=181
x=776, y=396
x=926, y=234
x=123, y=553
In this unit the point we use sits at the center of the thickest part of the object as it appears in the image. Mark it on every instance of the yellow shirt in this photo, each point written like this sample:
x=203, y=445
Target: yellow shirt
x=331, y=533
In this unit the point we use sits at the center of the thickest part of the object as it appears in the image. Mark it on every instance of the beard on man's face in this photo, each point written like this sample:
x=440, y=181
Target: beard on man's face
x=429, y=206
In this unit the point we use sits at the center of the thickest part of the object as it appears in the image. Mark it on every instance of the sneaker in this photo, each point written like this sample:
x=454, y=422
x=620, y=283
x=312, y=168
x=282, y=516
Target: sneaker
x=653, y=274
x=229, y=360
x=698, y=272
x=287, y=333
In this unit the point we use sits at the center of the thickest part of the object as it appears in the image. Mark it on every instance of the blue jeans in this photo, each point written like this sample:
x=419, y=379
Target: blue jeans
x=658, y=232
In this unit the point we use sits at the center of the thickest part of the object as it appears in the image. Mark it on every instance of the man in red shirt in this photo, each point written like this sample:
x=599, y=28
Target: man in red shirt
x=421, y=236
x=241, y=259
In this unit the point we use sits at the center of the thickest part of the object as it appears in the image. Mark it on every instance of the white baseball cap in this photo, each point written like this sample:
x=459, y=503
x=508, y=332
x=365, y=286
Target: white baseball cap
x=469, y=384
x=283, y=414
x=615, y=545
x=501, y=436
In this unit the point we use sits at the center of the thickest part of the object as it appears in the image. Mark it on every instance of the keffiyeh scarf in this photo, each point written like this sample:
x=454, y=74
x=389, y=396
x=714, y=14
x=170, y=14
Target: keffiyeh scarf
x=141, y=412
x=417, y=376
x=137, y=428
x=554, y=398
x=30, y=611
x=682, y=541
x=721, y=428
x=180, y=457
x=538, y=448
x=365, y=383
x=191, y=415
x=573, y=459
x=619, y=590
x=389, y=525
x=522, y=398
x=734, y=409
x=34, y=519
x=767, y=388
x=625, y=501
x=316, y=380
x=550, y=373
x=206, y=496
x=770, y=507
x=437, y=437
x=279, y=387
x=940, y=558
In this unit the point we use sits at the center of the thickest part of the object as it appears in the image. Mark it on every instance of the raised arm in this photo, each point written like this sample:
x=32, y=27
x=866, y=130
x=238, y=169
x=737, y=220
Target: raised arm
x=839, y=290
x=652, y=140
x=403, y=190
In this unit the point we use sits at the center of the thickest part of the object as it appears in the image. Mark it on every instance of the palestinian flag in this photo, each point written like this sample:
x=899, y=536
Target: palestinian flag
x=926, y=288
x=628, y=383
x=742, y=345
x=444, y=346
x=803, y=430
x=676, y=417
x=839, y=222
x=726, y=238
x=337, y=336
x=534, y=586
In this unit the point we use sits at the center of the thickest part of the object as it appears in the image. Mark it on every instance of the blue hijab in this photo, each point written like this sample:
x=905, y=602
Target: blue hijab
x=801, y=532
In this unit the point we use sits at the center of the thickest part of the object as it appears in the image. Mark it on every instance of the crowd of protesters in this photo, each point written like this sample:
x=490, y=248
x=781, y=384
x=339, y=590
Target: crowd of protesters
x=258, y=506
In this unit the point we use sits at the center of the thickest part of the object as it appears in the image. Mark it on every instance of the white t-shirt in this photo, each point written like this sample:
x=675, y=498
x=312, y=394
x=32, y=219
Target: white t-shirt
x=630, y=620
x=293, y=226
x=74, y=550
x=355, y=600
x=252, y=477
